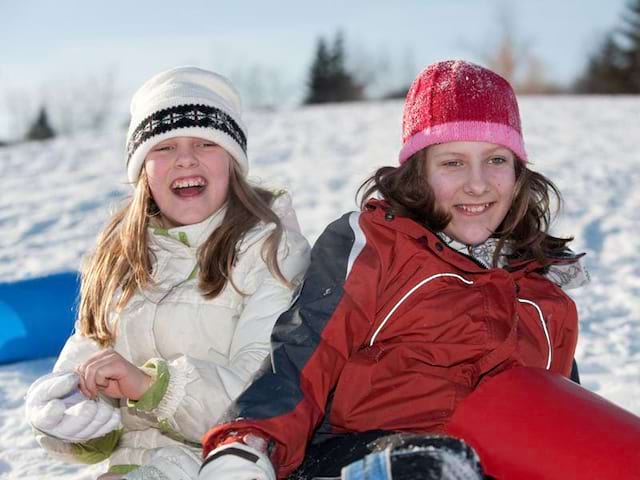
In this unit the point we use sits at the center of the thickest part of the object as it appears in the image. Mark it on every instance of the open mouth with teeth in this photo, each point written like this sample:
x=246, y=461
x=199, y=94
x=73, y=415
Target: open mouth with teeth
x=188, y=187
x=474, y=209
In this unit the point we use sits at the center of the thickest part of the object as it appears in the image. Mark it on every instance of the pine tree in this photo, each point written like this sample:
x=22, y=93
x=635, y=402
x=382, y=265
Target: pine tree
x=345, y=87
x=329, y=79
x=320, y=75
x=630, y=33
x=615, y=66
x=605, y=70
x=40, y=129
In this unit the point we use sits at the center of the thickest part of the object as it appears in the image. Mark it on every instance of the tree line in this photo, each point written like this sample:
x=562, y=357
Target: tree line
x=612, y=68
x=615, y=65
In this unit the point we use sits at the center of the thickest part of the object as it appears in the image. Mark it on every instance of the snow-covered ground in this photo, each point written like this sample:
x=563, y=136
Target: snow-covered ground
x=55, y=196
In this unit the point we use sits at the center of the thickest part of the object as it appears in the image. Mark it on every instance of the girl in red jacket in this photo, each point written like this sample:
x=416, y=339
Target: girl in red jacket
x=446, y=281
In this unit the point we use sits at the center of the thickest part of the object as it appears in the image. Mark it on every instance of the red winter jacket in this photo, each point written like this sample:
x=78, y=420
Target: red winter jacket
x=398, y=328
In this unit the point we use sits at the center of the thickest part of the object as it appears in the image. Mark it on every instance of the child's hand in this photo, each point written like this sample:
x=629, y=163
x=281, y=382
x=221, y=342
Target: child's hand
x=109, y=373
x=55, y=407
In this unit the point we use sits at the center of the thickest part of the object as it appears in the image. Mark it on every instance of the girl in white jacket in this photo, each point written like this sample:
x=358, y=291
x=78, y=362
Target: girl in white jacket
x=179, y=298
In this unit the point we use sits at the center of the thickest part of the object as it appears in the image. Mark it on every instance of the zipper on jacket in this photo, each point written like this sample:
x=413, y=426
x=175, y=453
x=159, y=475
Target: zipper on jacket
x=470, y=257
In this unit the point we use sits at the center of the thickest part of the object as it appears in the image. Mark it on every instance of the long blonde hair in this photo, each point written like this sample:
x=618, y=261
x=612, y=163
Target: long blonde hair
x=122, y=265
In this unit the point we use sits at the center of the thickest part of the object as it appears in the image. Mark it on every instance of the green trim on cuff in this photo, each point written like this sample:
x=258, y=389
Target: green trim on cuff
x=96, y=449
x=166, y=429
x=122, y=469
x=151, y=398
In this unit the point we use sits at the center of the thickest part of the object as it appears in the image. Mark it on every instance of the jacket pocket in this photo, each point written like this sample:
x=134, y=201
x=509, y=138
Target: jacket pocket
x=379, y=389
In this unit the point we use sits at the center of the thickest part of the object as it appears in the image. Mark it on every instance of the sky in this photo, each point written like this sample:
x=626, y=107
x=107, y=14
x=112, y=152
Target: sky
x=63, y=49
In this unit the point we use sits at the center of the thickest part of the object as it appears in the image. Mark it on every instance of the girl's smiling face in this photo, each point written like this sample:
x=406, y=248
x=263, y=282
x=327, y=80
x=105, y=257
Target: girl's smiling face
x=474, y=183
x=188, y=178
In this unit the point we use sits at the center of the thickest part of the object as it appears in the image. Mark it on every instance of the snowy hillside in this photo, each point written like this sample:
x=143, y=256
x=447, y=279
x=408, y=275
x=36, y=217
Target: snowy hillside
x=55, y=196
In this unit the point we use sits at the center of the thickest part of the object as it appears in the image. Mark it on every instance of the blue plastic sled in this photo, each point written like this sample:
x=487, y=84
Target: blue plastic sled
x=37, y=316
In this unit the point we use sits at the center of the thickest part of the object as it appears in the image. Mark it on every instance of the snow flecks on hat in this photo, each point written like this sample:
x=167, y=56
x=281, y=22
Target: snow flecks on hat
x=456, y=100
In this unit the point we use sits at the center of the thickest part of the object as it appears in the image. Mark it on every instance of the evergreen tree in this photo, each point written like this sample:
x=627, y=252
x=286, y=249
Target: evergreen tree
x=329, y=79
x=605, y=70
x=40, y=129
x=630, y=33
x=345, y=86
x=320, y=75
x=615, y=66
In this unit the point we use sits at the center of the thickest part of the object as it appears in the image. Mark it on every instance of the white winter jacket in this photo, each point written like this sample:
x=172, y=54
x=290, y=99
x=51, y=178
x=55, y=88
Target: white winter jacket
x=201, y=352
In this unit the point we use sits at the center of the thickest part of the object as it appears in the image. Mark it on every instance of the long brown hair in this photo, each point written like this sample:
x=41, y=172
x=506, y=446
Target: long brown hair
x=122, y=265
x=525, y=227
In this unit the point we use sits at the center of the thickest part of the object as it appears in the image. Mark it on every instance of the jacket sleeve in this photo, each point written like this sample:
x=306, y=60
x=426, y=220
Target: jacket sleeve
x=311, y=343
x=75, y=351
x=189, y=393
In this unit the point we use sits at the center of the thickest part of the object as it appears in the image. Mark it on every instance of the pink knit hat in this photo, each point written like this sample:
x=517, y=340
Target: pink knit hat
x=460, y=101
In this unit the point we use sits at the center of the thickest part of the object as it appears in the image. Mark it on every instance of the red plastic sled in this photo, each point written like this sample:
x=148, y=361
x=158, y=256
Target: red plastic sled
x=528, y=423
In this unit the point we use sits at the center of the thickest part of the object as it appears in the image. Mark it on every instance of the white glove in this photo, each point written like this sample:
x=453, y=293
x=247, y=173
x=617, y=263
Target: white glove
x=237, y=461
x=55, y=406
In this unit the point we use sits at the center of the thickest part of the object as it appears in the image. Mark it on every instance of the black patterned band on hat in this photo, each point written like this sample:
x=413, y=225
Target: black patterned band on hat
x=185, y=116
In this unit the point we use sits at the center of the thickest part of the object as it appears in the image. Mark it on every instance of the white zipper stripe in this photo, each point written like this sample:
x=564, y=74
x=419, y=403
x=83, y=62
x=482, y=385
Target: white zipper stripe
x=359, y=241
x=406, y=295
x=544, y=327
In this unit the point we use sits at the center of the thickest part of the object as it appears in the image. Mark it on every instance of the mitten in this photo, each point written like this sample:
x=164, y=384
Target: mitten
x=56, y=407
x=237, y=461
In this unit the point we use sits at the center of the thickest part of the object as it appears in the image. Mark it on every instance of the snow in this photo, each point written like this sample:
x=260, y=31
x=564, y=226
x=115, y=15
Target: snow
x=55, y=197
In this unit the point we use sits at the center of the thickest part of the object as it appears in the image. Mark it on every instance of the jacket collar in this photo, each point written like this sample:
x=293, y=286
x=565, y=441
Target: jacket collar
x=564, y=269
x=482, y=253
x=189, y=236
x=382, y=214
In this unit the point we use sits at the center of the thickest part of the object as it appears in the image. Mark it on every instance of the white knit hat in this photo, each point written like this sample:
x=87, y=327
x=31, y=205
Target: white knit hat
x=185, y=101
